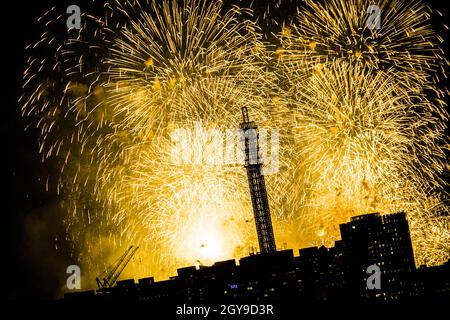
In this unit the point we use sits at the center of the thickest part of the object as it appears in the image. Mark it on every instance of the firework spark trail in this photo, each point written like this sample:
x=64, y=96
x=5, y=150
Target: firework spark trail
x=204, y=66
x=369, y=134
x=334, y=30
x=195, y=191
x=167, y=47
x=162, y=65
x=364, y=146
x=108, y=100
x=346, y=112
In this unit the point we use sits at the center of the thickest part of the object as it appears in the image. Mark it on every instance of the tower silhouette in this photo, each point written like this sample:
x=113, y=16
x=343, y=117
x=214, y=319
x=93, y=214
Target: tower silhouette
x=258, y=193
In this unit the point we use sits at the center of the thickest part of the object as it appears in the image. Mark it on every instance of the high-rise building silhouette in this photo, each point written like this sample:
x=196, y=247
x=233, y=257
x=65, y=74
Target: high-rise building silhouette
x=317, y=274
x=384, y=241
x=258, y=193
x=323, y=272
x=369, y=242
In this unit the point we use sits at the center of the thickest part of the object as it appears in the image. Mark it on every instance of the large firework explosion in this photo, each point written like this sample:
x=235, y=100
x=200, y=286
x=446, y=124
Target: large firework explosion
x=364, y=146
x=337, y=30
x=369, y=115
x=354, y=138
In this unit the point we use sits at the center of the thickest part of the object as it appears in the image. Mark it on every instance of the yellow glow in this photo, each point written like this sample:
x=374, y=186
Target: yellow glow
x=279, y=51
x=172, y=82
x=286, y=31
x=157, y=84
x=149, y=63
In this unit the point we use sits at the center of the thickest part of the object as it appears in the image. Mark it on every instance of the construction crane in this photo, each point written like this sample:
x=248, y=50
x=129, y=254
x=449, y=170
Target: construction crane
x=257, y=184
x=108, y=278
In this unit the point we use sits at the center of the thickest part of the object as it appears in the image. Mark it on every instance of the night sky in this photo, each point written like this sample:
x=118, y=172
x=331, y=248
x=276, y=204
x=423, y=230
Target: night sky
x=31, y=267
x=25, y=201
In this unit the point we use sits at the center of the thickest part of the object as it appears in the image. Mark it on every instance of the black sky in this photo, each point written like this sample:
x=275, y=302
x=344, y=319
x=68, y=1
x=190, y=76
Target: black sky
x=24, y=200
